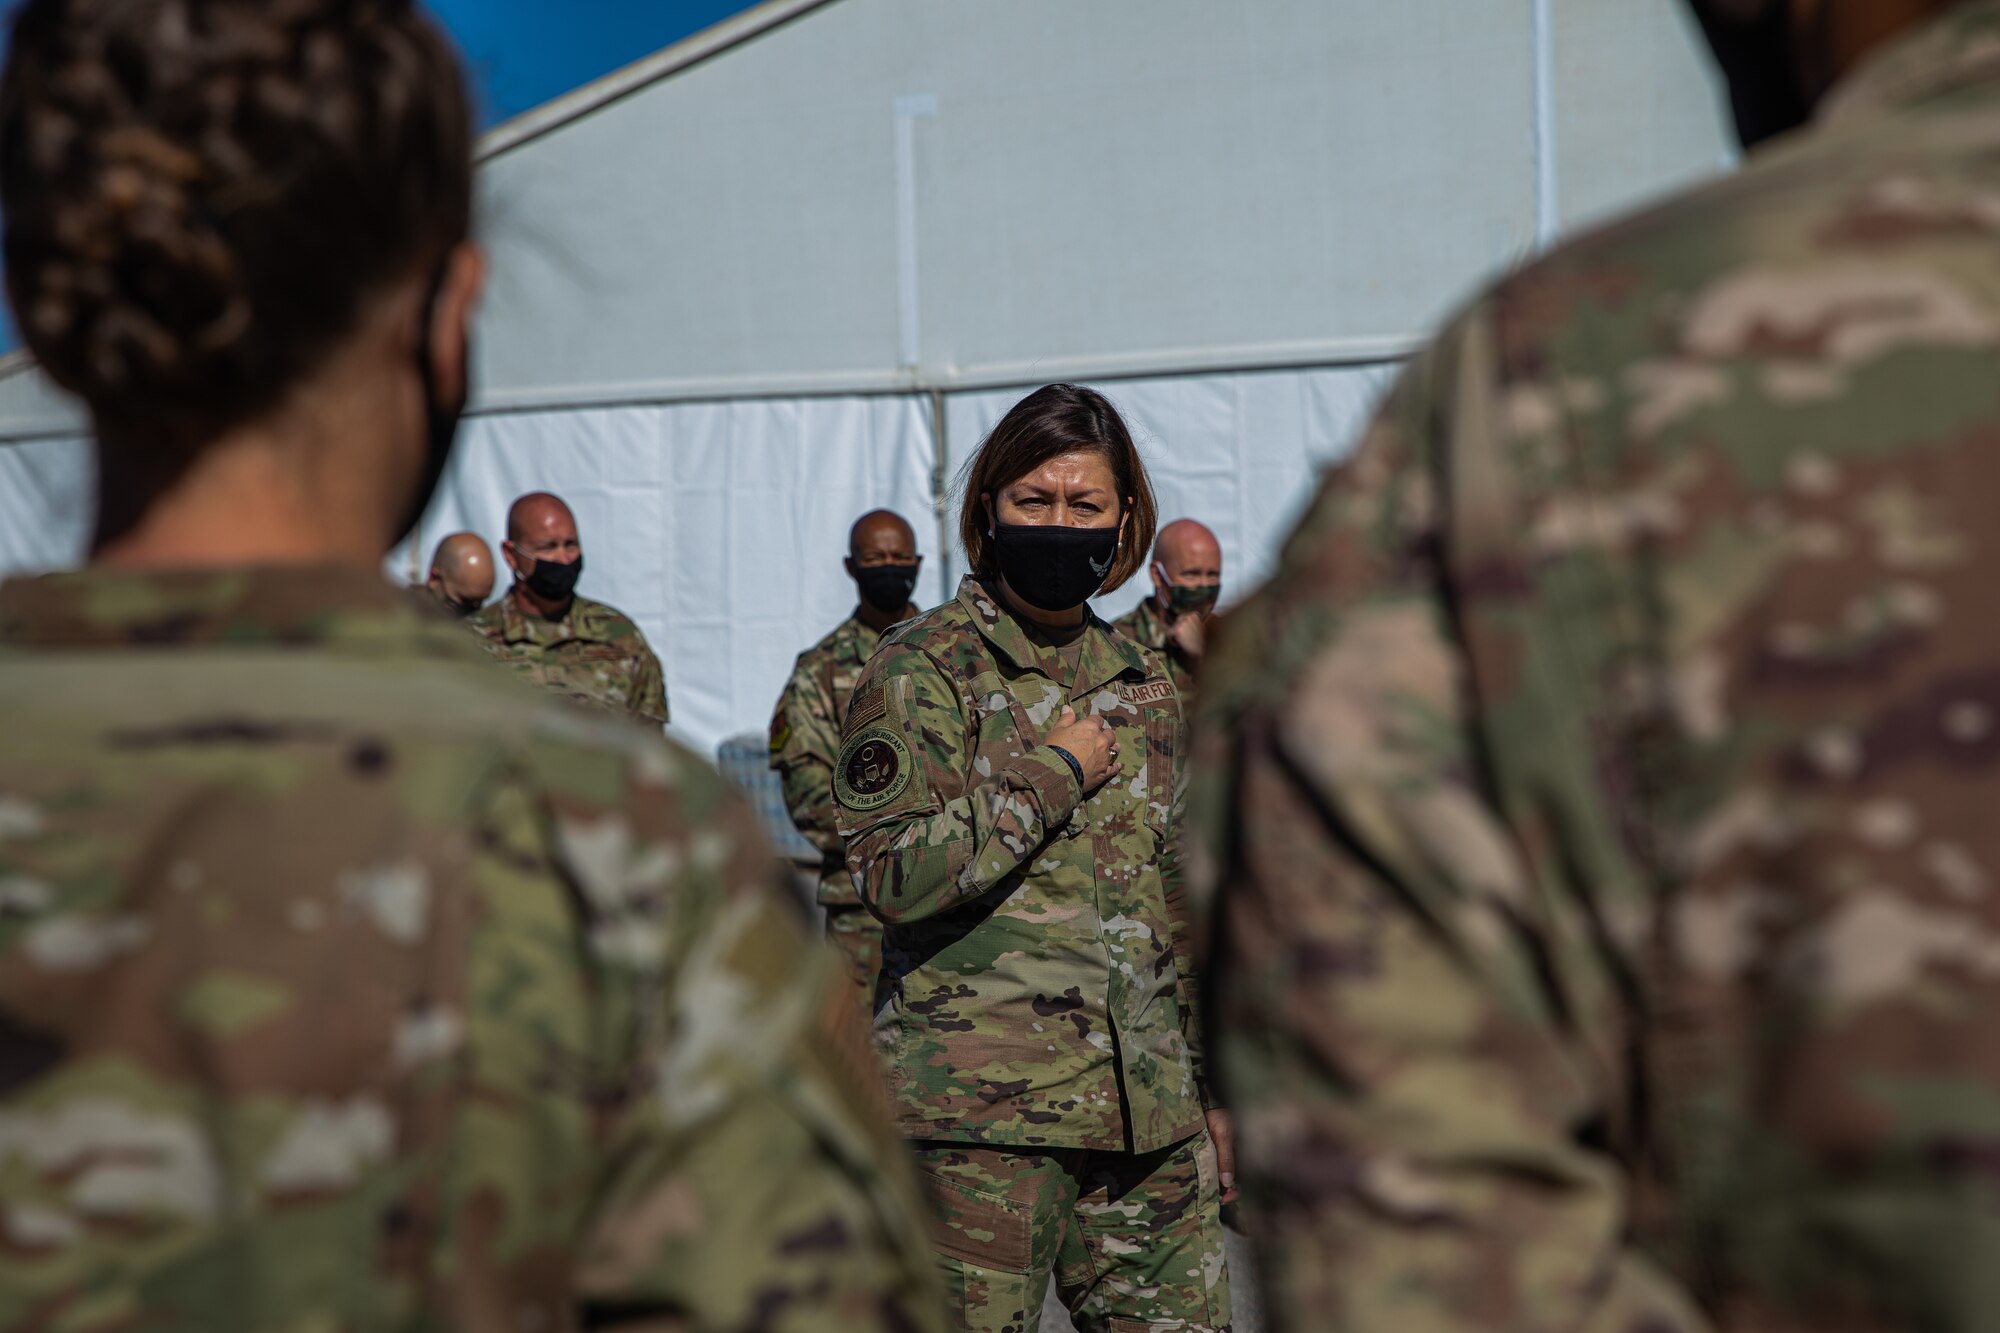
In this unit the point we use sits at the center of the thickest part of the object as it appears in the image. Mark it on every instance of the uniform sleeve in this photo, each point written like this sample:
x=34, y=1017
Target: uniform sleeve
x=925, y=831
x=1397, y=991
x=804, y=741
x=749, y=1177
x=649, y=691
x=1182, y=921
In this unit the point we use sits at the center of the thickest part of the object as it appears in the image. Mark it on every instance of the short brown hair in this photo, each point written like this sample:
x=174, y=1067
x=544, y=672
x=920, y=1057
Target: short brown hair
x=202, y=196
x=1054, y=420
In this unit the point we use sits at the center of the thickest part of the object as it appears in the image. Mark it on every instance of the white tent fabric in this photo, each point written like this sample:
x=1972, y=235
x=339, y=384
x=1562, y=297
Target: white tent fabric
x=44, y=504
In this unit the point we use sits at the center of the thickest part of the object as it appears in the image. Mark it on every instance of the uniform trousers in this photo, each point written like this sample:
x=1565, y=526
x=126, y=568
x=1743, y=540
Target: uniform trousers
x=1134, y=1240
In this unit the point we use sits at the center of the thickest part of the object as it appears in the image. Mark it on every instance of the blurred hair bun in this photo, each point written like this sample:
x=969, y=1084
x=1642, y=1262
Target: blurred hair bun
x=200, y=195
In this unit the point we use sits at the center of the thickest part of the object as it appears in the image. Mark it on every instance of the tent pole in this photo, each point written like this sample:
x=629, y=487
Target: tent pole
x=941, y=486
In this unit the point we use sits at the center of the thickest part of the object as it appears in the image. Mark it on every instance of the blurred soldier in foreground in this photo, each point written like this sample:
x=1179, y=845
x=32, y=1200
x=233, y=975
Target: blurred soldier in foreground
x=558, y=640
x=882, y=560
x=462, y=574
x=1187, y=580
x=344, y=981
x=1604, y=789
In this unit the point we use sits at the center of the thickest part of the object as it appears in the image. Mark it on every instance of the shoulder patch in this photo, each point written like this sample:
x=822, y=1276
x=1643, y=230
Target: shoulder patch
x=781, y=733
x=1146, y=691
x=874, y=768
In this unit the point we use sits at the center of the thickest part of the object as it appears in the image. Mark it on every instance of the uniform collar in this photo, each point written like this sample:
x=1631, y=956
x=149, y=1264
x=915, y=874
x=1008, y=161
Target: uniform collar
x=518, y=626
x=1958, y=49
x=1107, y=655
x=276, y=607
x=1150, y=624
x=858, y=638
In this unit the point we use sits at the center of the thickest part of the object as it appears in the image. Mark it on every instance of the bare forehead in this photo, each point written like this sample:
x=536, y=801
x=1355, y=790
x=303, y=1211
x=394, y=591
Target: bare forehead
x=1084, y=470
x=545, y=518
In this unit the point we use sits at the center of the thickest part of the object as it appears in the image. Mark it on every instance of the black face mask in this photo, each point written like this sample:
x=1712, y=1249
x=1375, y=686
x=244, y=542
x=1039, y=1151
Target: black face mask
x=1185, y=597
x=440, y=418
x=887, y=588
x=1054, y=568
x=465, y=609
x=553, y=582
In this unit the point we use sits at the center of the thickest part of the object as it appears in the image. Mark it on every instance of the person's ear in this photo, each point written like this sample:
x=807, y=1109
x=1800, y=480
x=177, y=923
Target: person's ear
x=992, y=513
x=847, y=563
x=435, y=582
x=451, y=321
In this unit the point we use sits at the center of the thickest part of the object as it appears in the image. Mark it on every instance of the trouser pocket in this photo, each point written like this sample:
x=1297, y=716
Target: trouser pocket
x=985, y=1245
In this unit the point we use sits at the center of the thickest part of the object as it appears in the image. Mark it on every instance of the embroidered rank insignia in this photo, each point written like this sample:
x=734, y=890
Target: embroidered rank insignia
x=1146, y=691
x=874, y=769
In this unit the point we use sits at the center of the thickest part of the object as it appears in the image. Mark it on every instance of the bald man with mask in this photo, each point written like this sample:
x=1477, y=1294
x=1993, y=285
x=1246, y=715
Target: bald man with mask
x=560, y=641
x=882, y=560
x=1173, y=622
x=461, y=574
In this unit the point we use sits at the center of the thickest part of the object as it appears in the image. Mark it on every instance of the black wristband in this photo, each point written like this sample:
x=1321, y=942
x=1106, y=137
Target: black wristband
x=1074, y=766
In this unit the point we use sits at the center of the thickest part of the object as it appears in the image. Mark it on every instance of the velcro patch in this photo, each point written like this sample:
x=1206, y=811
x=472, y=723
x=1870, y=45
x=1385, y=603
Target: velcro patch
x=869, y=706
x=1146, y=691
x=874, y=769
x=781, y=733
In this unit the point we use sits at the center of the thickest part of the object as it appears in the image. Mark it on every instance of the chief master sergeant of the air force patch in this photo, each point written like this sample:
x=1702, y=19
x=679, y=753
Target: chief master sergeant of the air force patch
x=873, y=770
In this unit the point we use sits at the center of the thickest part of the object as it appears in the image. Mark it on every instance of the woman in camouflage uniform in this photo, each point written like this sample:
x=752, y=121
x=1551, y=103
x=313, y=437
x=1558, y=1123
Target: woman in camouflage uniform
x=1008, y=785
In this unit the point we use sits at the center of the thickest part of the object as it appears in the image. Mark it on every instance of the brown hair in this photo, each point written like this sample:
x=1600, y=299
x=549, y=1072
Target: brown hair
x=202, y=196
x=1054, y=420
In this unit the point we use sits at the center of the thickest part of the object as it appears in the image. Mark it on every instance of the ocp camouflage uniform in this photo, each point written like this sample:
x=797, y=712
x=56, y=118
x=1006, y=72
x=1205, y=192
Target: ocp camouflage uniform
x=1034, y=990
x=346, y=984
x=805, y=740
x=592, y=653
x=1603, y=792
x=1144, y=624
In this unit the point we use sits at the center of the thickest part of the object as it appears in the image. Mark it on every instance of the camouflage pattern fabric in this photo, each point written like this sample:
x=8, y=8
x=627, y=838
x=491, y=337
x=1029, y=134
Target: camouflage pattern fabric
x=347, y=984
x=1133, y=1239
x=593, y=654
x=1032, y=973
x=1144, y=624
x=1601, y=796
x=805, y=740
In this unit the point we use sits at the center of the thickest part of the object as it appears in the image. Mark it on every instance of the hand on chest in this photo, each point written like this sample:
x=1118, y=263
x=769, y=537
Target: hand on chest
x=1012, y=717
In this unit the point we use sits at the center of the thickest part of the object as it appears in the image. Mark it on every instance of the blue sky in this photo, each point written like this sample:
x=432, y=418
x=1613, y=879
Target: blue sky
x=521, y=53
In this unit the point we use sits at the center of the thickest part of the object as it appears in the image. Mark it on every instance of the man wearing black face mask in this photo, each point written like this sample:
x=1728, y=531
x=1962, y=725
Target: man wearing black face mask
x=1173, y=622
x=461, y=574
x=882, y=560
x=563, y=642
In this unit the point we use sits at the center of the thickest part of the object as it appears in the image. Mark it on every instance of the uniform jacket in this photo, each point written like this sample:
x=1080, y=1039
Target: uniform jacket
x=347, y=982
x=805, y=740
x=1605, y=788
x=593, y=654
x=1035, y=951
x=1144, y=624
